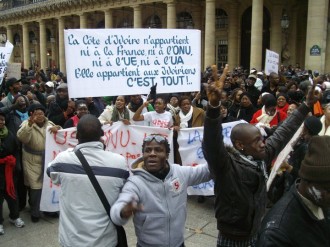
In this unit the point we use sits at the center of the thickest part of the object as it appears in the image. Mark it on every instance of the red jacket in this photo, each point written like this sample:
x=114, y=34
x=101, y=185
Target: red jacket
x=279, y=117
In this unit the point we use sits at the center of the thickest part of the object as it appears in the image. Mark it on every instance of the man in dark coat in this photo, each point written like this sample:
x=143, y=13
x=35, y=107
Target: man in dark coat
x=240, y=173
x=301, y=218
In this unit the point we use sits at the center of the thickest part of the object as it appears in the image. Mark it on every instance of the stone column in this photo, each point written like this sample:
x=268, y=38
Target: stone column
x=256, y=34
x=276, y=31
x=26, y=46
x=137, y=16
x=43, y=44
x=317, y=23
x=233, y=36
x=108, y=18
x=171, y=14
x=209, y=55
x=10, y=38
x=83, y=20
x=61, y=51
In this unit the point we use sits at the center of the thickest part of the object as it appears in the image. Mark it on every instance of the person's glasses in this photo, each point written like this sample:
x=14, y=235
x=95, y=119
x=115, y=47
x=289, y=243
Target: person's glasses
x=157, y=138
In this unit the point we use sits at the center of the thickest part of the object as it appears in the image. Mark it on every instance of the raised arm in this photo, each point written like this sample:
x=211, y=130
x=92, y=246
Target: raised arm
x=137, y=115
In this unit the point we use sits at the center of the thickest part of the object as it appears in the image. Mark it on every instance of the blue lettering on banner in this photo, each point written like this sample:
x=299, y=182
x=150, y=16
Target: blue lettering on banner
x=203, y=186
x=226, y=131
x=200, y=153
x=193, y=137
x=55, y=199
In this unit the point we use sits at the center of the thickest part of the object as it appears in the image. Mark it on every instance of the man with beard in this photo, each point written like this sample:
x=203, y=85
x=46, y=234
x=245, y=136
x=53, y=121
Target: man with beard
x=14, y=87
x=61, y=109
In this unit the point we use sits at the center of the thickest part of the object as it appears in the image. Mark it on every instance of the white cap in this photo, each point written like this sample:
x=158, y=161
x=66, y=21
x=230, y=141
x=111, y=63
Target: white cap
x=253, y=71
x=49, y=84
x=260, y=73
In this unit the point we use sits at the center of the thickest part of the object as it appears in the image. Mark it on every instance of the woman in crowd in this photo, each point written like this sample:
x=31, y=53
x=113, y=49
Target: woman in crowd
x=158, y=118
x=8, y=151
x=282, y=102
x=188, y=116
x=81, y=110
x=268, y=115
x=116, y=112
x=325, y=120
x=173, y=106
x=246, y=109
x=226, y=118
x=235, y=98
x=32, y=134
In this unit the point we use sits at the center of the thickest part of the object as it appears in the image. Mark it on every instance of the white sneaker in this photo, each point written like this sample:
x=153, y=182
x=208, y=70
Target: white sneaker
x=19, y=223
x=2, y=231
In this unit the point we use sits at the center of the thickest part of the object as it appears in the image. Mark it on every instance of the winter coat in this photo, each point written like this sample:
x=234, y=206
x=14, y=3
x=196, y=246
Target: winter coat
x=291, y=223
x=33, y=139
x=240, y=188
x=83, y=220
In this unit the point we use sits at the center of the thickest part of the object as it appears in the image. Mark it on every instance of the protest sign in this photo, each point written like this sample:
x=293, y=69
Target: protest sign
x=283, y=156
x=5, y=53
x=190, y=148
x=113, y=62
x=271, y=62
x=118, y=138
x=14, y=70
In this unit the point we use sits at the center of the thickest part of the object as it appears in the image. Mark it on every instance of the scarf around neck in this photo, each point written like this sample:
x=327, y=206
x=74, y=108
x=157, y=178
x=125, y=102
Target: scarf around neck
x=265, y=118
x=116, y=115
x=257, y=164
x=185, y=118
x=3, y=132
x=23, y=115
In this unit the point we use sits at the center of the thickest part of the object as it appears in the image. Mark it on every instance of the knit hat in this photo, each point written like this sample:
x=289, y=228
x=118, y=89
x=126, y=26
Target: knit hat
x=269, y=100
x=313, y=125
x=316, y=166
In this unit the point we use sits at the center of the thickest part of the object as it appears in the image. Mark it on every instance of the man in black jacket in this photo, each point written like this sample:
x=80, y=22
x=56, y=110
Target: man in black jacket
x=240, y=173
x=301, y=217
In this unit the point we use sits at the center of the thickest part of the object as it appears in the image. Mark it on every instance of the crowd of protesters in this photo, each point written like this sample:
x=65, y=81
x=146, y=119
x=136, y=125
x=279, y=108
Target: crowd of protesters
x=40, y=99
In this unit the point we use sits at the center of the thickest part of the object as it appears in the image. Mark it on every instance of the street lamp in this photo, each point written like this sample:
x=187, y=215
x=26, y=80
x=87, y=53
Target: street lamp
x=285, y=23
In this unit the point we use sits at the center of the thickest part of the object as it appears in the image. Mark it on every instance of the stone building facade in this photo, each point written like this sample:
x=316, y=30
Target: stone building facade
x=236, y=32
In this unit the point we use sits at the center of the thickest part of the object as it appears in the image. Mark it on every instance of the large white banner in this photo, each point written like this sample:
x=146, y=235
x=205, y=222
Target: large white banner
x=112, y=62
x=190, y=148
x=5, y=53
x=119, y=138
x=271, y=62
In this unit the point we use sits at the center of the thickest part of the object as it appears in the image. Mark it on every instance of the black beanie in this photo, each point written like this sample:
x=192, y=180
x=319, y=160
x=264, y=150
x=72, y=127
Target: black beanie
x=270, y=100
x=316, y=166
x=313, y=125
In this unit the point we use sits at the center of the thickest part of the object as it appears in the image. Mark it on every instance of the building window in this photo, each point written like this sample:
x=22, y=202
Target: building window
x=184, y=20
x=222, y=53
x=221, y=19
x=153, y=21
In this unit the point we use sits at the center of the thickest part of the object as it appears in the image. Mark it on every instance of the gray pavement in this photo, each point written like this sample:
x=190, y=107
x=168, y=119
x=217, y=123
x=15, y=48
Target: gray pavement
x=200, y=229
